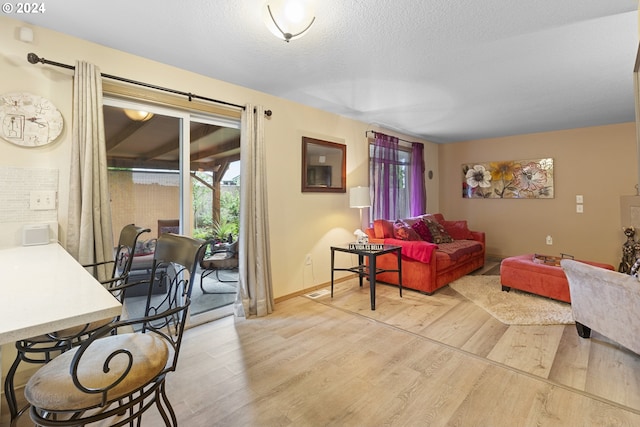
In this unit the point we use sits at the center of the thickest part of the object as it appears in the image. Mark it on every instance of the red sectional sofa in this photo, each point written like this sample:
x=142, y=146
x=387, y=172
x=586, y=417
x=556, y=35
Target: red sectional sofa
x=428, y=266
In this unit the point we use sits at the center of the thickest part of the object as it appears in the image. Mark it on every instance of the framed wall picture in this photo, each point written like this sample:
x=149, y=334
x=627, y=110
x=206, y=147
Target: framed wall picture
x=511, y=179
x=323, y=166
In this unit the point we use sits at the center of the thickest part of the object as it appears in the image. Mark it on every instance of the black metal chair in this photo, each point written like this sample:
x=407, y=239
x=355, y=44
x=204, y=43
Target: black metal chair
x=117, y=377
x=219, y=257
x=123, y=260
x=42, y=349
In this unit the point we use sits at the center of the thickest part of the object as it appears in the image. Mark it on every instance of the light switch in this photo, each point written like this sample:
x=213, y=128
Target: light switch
x=579, y=199
x=579, y=209
x=42, y=200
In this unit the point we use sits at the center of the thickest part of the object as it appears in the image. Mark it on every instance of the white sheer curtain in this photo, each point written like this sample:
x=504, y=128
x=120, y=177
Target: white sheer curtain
x=255, y=293
x=89, y=231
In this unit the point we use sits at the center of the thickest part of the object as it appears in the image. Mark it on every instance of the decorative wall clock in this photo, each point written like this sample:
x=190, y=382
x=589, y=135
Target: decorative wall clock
x=29, y=120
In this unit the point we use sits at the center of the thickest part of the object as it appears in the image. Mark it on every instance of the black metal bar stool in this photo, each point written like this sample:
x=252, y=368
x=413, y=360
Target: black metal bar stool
x=42, y=349
x=117, y=377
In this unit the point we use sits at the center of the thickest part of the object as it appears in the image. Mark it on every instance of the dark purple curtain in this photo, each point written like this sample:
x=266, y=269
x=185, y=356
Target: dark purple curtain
x=384, y=177
x=418, y=197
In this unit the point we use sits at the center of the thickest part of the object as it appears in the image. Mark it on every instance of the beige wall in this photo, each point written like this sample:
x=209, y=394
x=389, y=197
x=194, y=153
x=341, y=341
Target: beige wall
x=599, y=163
x=300, y=223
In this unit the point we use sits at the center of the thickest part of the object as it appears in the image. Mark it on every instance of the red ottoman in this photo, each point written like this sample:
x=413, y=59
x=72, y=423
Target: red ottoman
x=521, y=272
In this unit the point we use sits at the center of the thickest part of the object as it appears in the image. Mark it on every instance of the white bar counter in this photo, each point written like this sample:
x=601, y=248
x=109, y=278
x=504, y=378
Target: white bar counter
x=44, y=289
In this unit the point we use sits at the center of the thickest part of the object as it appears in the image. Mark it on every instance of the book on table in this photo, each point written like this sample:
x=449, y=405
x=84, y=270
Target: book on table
x=366, y=246
x=550, y=259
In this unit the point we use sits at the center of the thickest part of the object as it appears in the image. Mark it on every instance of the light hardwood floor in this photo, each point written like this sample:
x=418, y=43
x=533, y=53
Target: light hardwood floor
x=415, y=361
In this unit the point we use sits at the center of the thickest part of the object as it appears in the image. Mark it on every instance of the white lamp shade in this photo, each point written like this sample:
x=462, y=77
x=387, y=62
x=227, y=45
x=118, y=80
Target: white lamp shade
x=293, y=17
x=359, y=197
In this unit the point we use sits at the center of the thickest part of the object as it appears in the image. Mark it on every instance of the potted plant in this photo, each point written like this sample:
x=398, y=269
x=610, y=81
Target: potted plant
x=224, y=231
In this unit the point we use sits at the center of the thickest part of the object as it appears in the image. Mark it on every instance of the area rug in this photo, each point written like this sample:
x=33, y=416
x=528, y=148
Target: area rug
x=514, y=307
x=493, y=271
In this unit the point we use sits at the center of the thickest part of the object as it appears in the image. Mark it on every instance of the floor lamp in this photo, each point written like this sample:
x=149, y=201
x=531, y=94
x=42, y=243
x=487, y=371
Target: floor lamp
x=359, y=197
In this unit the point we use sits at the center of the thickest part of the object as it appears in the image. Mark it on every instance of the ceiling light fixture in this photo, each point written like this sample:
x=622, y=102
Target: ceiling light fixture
x=138, y=115
x=288, y=19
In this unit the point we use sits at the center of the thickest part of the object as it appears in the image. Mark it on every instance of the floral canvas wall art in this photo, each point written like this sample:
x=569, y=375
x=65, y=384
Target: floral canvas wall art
x=513, y=179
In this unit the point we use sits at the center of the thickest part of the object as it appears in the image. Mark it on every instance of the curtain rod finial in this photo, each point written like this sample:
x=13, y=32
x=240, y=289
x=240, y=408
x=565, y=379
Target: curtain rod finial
x=33, y=58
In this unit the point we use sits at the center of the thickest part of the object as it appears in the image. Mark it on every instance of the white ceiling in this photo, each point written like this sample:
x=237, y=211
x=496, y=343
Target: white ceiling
x=442, y=70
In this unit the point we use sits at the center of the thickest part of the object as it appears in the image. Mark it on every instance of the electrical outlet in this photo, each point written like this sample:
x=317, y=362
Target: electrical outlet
x=549, y=240
x=579, y=208
x=307, y=259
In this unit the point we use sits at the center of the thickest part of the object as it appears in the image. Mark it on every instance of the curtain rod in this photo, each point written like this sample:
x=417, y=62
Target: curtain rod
x=399, y=139
x=34, y=59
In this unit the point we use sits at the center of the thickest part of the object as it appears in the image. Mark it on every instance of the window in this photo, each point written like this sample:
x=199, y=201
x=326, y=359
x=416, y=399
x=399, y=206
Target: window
x=396, y=176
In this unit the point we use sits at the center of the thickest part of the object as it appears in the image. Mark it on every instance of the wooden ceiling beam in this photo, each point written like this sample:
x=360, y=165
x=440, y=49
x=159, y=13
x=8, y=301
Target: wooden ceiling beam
x=128, y=163
x=203, y=130
x=175, y=143
x=125, y=133
x=139, y=163
x=230, y=145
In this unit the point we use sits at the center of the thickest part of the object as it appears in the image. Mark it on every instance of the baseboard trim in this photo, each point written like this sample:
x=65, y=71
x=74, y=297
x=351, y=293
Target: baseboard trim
x=313, y=288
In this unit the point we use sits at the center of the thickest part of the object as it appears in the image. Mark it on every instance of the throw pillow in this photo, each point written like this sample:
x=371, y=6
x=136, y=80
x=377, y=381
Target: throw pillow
x=382, y=228
x=428, y=216
x=422, y=229
x=438, y=233
x=458, y=230
x=402, y=231
x=411, y=220
x=145, y=247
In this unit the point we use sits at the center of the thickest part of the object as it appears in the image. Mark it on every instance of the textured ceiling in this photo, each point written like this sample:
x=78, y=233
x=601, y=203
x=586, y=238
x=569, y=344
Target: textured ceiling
x=442, y=70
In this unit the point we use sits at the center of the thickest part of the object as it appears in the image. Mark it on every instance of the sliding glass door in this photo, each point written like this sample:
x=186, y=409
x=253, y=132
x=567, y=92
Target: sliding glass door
x=166, y=170
x=214, y=159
